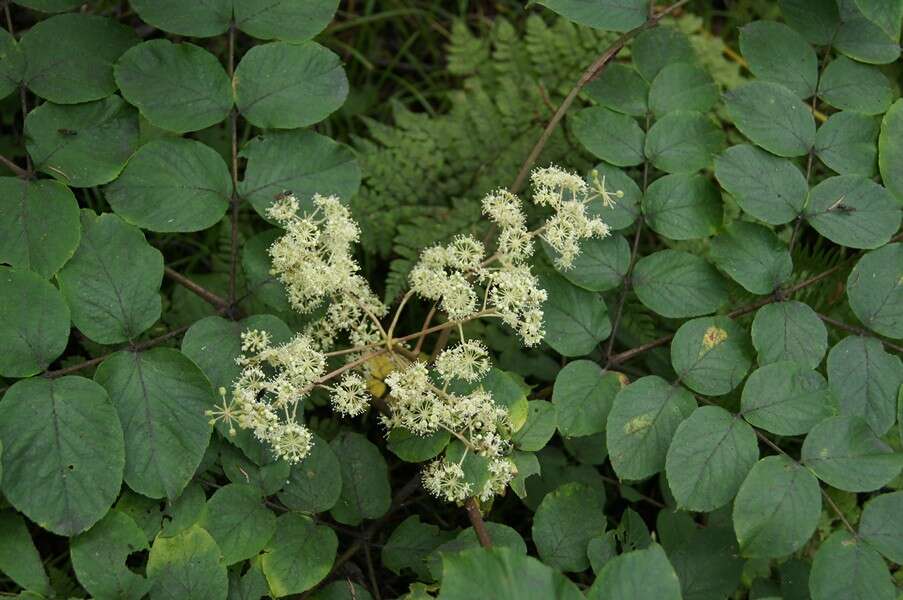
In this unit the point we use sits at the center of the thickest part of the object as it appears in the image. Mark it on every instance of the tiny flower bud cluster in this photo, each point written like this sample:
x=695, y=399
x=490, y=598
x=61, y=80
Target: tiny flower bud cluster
x=442, y=275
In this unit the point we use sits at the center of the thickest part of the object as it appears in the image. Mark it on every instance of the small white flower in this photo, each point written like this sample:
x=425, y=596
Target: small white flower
x=468, y=361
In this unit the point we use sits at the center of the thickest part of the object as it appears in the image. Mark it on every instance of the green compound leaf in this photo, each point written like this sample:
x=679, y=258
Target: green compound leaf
x=69, y=58
x=239, y=522
x=880, y=525
x=845, y=568
x=887, y=14
x=172, y=185
x=283, y=86
x=776, y=199
x=194, y=19
x=789, y=330
x=410, y=544
x=890, y=150
x=315, y=484
x=753, y=256
x=61, y=436
x=678, y=284
x=853, y=211
x=846, y=143
x=188, y=565
x=861, y=39
x=865, y=380
x=82, y=145
x=711, y=355
x=626, y=210
x=683, y=142
x=772, y=117
x=161, y=397
x=709, y=457
x=642, y=422
x=39, y=228
x=302, y=162
x=99, y=557
x=656, y=48
x=12, y=64
x=289, y=20
x=112, y=283
x=365, y=480
x=566, y=520
x=786, y=399
x=777, y=508
x=845, y=453
x=576, y=320
x=611, y=136
x=875, y=290
x=849, y=85
x=583, y=396
x=620, y=88
x=34, y=322
x=637, y=574
x=509, y=574
x=817, y=21
x=778, y=54
x=19, y=558
x=299, y=556
x=177, y=87
x=610, y=15
x=683, y=206
x=539, y=427
x=683, y=87
x=601, y=264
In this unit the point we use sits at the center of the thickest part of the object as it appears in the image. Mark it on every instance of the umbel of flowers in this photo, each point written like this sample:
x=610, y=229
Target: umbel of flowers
x=315, y=261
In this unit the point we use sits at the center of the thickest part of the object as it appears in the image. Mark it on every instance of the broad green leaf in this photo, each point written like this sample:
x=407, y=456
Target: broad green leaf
x=683, y=206
x=34, y=322
x=638, y=574
x=777, y=508
x=887, y=14
x=626, y=210
x=365, y=480
x=172, y=185
x=186, y=510
x=188, y=565
x=847, y=143
x=565, y=522
x=614, y=137
x=576, y=320
x=69, y=58
x=252, y=585
x=683, y=142
x=786, y=399
x=299, y=556
x=527, y=465
x=161, y=397
x=816, y=20
x=620, y=88
x=875, y=290
x=269, y=477
x=502, y=536
x=257, y=264
x=654, y=49
x=845, y=568
x=642, y=422
x=706, y=560
x=410, y=447
x=50, y=6
x=846, y=454
x=776, y=53
x=39, y=229
x=601, y=264
x=410, y=544
x=610, y=15
x=177, y=87
x=772, y=117
x=12, y=64
x=880, y=525
x=112, y=283
x=239, y=522
x=315, y=483
x=678, y=284
x=709, y=457
x=19, y=558
x=849, y=85
x=861, y=39
x=682, y=86
x=146, y=513
x=601, y=550
x=853, y=211
x=711, y=355
x=99, y=557
x=509, y=574
x=61, y=436
x=583, y=396
x=865, y=379
x=789, y=330
x=346, y=590
x=194, y=19
x=302, y=162
x=538, y=428
x=283, y=86
x=556, y=470
x=82, y=145
x=776, y=199
x=289, y=20
x=753, y=256
x=890, y=150
x=587, y=449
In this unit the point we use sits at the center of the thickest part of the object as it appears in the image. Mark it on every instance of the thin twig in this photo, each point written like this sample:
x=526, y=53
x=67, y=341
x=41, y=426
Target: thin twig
x=476, y=519
x=16, y=169
x=196, y=288
x=859, y=331
x=235, y=200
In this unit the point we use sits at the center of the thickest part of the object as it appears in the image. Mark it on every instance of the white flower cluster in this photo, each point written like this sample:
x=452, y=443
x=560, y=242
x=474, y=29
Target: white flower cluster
x=442, y=274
